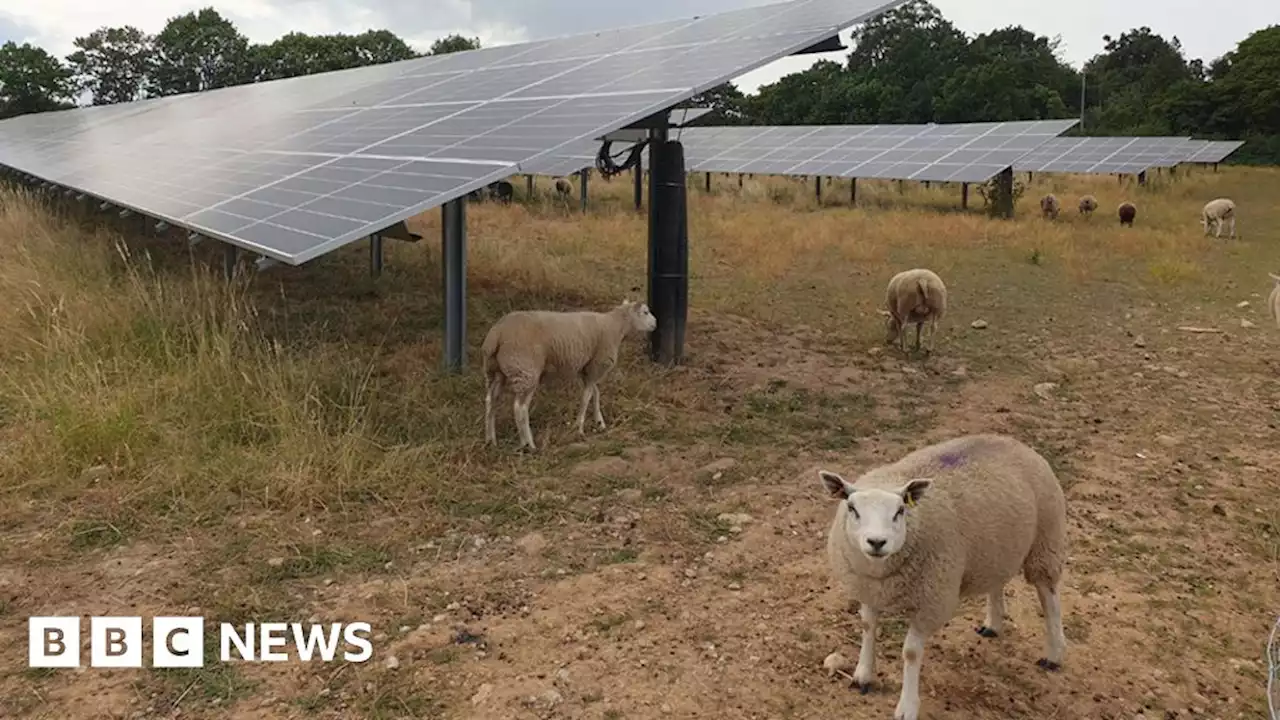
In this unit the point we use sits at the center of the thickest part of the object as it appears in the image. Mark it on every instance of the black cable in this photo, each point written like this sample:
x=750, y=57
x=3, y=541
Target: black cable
x=607, y=165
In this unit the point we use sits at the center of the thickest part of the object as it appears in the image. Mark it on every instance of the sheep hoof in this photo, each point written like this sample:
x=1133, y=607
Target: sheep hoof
x=987, y=632
x=863, y=688
x=1049, y=665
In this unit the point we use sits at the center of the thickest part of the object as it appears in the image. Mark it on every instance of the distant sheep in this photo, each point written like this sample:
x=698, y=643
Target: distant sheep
x=1049, y=206
x=563, y=187
x=953, y=520
x=1088, y=204
x=1273, y=302
x=502, y=191
x=913, y=296
x=525, y=345
x=1127, y=211
x=1216, y=212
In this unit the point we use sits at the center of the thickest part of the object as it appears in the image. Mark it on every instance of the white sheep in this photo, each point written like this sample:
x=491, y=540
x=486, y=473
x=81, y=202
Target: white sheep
x=1049, y=206
x=1273, y=302
x=1088, y=204
x=1216, y=212
x=913, y=296
x=949, y=521
x=525, y=345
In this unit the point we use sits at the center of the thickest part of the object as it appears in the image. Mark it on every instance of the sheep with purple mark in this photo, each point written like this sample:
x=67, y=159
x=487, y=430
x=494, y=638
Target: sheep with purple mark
x=948, y=521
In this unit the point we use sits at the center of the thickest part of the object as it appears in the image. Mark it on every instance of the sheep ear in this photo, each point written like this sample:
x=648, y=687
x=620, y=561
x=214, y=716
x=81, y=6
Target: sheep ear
x=914, y=490
x=835, y=484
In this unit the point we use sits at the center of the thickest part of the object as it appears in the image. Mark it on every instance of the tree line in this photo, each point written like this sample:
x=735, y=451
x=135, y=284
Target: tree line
x=909, y=65
x=201, y=50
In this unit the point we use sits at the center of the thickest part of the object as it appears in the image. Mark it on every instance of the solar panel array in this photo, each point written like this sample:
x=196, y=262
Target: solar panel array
x=960, y=152
x=295, y=168
x=1213, y=151
x=1102, y=155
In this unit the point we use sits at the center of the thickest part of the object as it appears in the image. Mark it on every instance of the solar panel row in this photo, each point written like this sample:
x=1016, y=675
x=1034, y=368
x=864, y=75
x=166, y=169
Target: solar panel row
x=1103, y=155
x=960, y=152
x=1214, y=151
x=295, y=168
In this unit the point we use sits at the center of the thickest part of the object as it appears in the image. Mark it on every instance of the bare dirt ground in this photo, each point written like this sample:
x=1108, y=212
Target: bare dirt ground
x=672, y=566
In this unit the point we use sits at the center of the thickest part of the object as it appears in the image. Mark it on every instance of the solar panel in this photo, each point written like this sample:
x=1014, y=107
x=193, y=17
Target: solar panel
x=960, y=152
x=1100, y=155
x=1214, y=151
x=295, y=168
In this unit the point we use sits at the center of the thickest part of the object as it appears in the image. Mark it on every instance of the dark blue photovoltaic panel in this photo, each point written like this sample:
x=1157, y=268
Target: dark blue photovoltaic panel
x=295, y=168
x=962, y=152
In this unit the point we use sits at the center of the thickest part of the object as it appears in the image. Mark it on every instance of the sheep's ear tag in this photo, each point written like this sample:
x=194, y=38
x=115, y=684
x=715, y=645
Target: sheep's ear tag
x=910, y=501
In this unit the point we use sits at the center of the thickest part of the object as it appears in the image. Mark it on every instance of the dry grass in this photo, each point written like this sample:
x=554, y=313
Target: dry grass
x=162, y=435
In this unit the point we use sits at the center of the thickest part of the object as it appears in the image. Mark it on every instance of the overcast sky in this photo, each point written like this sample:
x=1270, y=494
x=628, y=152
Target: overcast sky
x=1204, y=33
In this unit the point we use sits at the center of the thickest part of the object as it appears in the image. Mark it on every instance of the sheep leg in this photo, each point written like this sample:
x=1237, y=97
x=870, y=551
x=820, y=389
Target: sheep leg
x=1055, y=640
x=994, y=623
x=595, y=396
x=865, y=671
x=490, y=421
x=587, y=391
x=912, y=658
x=933, y=328
x=919, y=325
x=521, y=411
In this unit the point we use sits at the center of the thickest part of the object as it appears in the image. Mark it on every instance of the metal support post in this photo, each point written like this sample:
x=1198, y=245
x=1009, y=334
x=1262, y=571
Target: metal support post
x=668, y=248
x=229, y=256
x=375, y=255
x=454, y=261
x=817, y=188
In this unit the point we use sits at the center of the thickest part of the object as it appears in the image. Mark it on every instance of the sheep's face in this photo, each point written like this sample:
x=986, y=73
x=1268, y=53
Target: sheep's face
x=642, y=320
x=891, y=327
x=876, y=522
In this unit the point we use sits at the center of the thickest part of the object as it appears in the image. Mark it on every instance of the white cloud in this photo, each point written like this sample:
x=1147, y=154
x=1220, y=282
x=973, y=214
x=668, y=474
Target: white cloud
x=53, y=24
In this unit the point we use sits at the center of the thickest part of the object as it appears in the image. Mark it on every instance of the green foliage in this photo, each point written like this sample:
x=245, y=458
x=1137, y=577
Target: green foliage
x=32, y=80
x=300, y=54
x=199, y=51
x=113, y=63
x=453, y=43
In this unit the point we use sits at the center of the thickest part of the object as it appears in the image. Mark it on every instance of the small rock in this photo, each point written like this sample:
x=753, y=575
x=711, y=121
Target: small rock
x=95, y=473
x=836, y=662
x=392, y=662
x=562, y=676
x=960, y=372
x=1242, y=304
x=532, y=544
x=978, y=324
x=735, y=586
x=720, y=466
x=873, y=352
x=734, y=519
x=1167, y=440
x=552, y=698
x=276, y=561
x=1140, y=342
x=1219, y=510
x=1045, y=389
x=1246, y=324
x=482, y=694
x=690, y=573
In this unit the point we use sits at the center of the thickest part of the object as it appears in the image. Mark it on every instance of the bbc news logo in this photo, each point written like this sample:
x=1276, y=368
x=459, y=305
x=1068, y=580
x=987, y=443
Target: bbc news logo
x=178, y=642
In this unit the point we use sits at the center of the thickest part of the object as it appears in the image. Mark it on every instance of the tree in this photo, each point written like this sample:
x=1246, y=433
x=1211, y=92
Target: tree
x=453, y=43
x=1009, y=74
x=1247, y=84
x=301, y=54
x=725, y=102
x=113, y=63
x=199, y=51
x=32, y=80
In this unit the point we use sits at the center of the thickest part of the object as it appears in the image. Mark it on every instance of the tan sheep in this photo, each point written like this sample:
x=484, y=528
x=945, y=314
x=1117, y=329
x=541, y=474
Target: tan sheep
x=913, y=296
x=1215, y=213
x=1127, y=212
x=1088, y=204
x=1049, y=206
x=952, y=520
x=563, y=187
x=1273, y=301
x=525, y=345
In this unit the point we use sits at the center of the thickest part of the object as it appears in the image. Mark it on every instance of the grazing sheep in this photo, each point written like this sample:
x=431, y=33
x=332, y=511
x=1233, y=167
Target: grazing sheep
x=1128, y=211
x=953, y=520
x=1049, y=206
x=526, y=344
x=1216, y=212
x=1273, y=302
x=502, y=191
x=1088, y=204
x=913, y=296
x=563, y=187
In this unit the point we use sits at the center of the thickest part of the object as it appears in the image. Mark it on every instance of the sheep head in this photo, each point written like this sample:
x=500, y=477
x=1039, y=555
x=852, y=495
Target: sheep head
x=638, y=316
x=876, y=522
x=892, y=327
